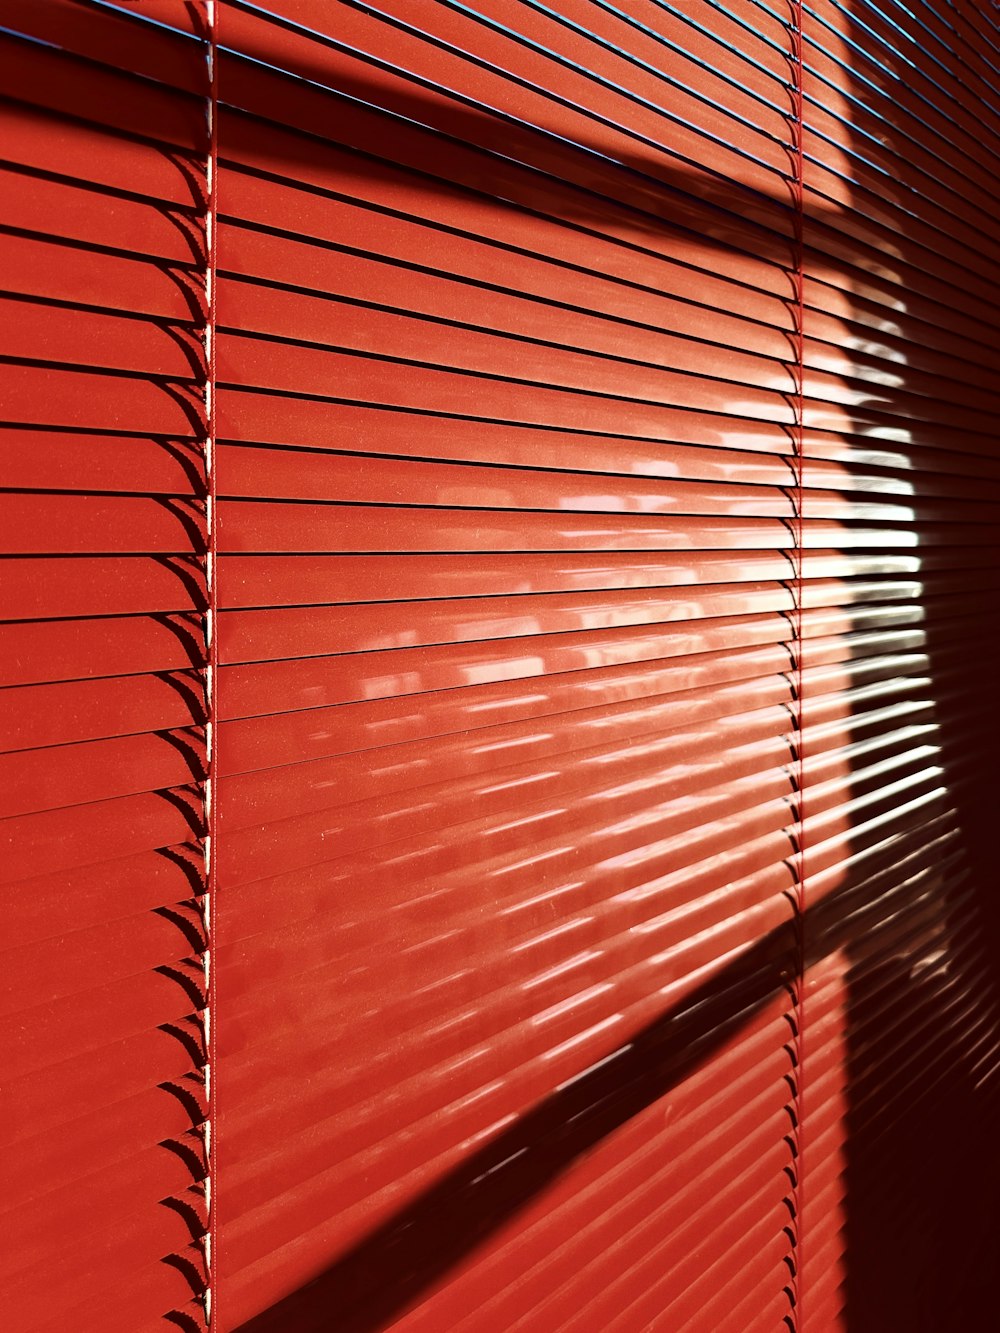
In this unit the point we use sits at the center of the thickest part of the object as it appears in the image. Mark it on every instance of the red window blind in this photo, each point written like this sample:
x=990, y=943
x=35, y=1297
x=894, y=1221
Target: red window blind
x=501, y=504
x=104, y=593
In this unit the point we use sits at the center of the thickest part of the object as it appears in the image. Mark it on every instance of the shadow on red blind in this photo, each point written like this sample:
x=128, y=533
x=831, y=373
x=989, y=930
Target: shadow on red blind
x=604, y=599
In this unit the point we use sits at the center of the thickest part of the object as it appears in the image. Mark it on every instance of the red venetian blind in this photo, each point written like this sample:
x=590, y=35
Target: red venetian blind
x=900, y=1059
x=507, y=518
x=553, y=448
x=103, y=712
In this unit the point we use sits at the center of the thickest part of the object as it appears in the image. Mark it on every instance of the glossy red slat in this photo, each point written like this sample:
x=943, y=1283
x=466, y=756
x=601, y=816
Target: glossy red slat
x=148, y=1286
x=59, y=840
x=874, y=692
x=299, y=475
x=616, y=1153
x=594, y=497
x=129, y=524
x=666, y=877
x=41, y=460
x=106, y=1140
x=44, y=1035
x=658, y=145
x=717, y=653
x=93, y=159
x=72, y=649
x=508, y=860
x=160, y=1171
x=307, y=288
x=302, y=846
x=65, y=211
x=458, y=1074
x=44, y=76
x=283, y=580
x=69, y=775
x=80, y=337
x=385, y=190
x=50, y=588
x=875, y=321
x=935, y=231
x=51, y=968
x=607, y=1196
x=45, y=906
x=939, y=182
x=272, y=581
x=503, y=1097
x=69, y=273
x=291, y=631
x=715, y=108
x=905, y=114
x=311, y=366
x=616, y=284
x=671, y=55
x=100, y=1076
x=936, y=91
x=83, y=710
x=245, y=1281
x=296, y=736
x=627, y=733
x=624, y=1218
x=599, y=197
x=249, y=526
x=292, y=737
x=42, y=395
x=615, y=859
x=168, y=56
x=244, y=415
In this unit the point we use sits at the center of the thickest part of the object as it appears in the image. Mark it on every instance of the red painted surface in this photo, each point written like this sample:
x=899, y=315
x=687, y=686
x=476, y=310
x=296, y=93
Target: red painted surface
x=590, y=473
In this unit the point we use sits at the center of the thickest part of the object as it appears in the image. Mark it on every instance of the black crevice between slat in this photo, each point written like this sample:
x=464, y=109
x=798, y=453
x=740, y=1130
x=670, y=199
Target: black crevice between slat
x=859, y=359
x=28, y=40
x=445, y=275
x=673, y=184
x=625, y=55
x=433, y=182
x=548, y=301
x=501, y=334
x=193, y=267
x=668, y=186
x=547, y=94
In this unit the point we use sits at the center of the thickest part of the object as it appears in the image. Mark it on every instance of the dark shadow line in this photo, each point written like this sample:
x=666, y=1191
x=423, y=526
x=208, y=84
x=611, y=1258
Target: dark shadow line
x=192, y=1156
x=188, y=629
x=389, y=1269
x=193, y=1216
x=194, y=1275
x=193, y=868
x=188, y=801
x=190, y=1033
x=191, y=927
x=191, y=983
x=185, y=1322
x=189, y=742
x=432, y=1234
x=189, y=1091
x=188, y=686
x=188, y=570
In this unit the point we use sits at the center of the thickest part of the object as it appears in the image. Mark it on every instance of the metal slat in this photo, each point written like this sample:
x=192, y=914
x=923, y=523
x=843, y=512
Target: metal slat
x=601, y=503
x=103, y=874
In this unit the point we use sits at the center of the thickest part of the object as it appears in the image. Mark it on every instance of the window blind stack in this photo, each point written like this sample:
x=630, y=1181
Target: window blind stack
x=507, y=517
x=600, y=405
x=102, y=657
x=901, y=416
